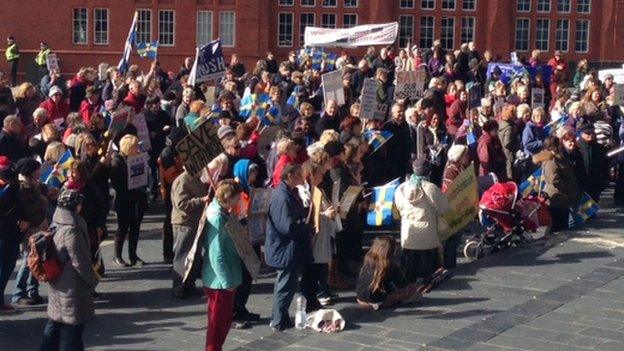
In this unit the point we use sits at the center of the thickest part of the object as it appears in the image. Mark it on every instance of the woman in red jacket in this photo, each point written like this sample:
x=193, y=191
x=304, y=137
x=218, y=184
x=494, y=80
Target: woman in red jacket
x=490, y=152
x=56, y=106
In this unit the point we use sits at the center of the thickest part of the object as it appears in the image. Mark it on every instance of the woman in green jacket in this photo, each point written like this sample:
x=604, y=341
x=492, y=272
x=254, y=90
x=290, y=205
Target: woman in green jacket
x=222, y=271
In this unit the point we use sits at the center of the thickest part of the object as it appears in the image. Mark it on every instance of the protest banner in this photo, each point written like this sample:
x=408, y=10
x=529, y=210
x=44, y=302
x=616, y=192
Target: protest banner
x=463, y=199
x=52, y=62
x=142, y=132
x=381, y=112
x=348, y=199
x=256, y=224
x=511, y=71
x=333, y=88
x=365, y=35
x=410, y=84
x=209, y=63
x=102, y=71
x=617, y=73
x=119, y=119
x=368, y=99
x=475, y=93
x=240, y=236
x=618, y=98
x=194, y=255
x=537, y=97
x=137, y=170
x=199, y=147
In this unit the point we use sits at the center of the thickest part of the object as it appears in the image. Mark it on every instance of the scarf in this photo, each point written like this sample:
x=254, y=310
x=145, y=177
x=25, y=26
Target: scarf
x=416, y=180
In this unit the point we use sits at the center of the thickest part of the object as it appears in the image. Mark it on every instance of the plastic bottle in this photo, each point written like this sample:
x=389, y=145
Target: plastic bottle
x=300, y=314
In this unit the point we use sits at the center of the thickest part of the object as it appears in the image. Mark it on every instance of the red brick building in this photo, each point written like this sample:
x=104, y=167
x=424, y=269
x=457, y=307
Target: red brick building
x=87, y=32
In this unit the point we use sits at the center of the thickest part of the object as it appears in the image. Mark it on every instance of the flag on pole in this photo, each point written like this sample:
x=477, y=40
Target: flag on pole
x=381, y=210
x=209, y=63
x=253, y=105
x=148, y=50
x=588, y=208
x=124, y=63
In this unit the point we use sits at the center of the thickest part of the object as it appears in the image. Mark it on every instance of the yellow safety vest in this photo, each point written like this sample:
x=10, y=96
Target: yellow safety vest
x=42, y=57
x=12, y=53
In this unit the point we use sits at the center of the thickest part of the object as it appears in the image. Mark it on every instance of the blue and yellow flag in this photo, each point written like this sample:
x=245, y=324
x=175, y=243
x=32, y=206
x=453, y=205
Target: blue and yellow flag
x=381, y=211
x=588, y=208
x=330, y=61
x=532, y=184
x=52, y=179
x=253, y=105
x=148, y=50
x=4, y=190
x=376, y=138
x=193, y=120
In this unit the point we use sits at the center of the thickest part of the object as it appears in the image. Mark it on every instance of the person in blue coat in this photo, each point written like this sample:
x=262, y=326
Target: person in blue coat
x=287, y=246
x=534, y=135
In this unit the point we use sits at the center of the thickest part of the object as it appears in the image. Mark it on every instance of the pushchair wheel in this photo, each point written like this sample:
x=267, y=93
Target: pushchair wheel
x=473, y=250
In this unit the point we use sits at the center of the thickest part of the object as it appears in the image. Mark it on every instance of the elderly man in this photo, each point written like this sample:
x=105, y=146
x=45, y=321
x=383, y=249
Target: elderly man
x=329, y=119
x=400, y=145
x=11, y=145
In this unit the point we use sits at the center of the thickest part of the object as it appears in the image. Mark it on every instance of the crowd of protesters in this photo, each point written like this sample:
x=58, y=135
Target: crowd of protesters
x=318, y=144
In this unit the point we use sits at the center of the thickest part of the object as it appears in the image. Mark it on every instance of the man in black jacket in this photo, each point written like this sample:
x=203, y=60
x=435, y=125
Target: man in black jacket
x=400, y=145
x=10, y=144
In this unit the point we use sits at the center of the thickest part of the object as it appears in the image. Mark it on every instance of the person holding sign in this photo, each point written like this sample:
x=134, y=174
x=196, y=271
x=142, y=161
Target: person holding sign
x=222, y=267
x=130, y=205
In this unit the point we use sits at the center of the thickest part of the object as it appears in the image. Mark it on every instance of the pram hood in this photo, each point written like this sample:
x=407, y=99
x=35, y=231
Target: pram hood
x=500, y=197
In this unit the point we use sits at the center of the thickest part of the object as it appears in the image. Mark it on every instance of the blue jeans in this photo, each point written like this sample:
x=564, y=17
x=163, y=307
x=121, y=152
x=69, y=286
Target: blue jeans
x=286, y=286
x=7, y=264
x=25, y=284
x=56, y=333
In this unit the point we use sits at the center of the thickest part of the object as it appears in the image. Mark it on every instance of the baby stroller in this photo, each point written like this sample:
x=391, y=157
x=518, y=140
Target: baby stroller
x=506, y=218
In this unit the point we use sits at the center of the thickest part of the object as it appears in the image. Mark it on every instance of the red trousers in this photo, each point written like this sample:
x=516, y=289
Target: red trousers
x=220, y=313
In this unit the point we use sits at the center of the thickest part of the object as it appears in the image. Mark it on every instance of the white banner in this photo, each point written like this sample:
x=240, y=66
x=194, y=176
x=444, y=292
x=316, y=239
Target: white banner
x=365, y=35
x=333, y=88
x=618, y=75
x=410, y=84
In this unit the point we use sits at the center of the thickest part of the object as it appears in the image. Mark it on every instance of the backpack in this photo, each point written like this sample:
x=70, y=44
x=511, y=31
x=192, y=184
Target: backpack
x=43, y=259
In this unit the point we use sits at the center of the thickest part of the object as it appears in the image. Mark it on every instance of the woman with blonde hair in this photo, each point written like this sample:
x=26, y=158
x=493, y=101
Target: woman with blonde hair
x=26, y=101
x=130, y=204
x=287, y=153
x=576, y=116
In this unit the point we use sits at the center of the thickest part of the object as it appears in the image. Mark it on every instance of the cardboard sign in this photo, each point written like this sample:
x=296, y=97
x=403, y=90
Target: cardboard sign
x=475, y=94
x=332, y=87
x=137, y=170
x=256, y=225
x=260, y=200
x=463, y=198
x=142, y=132
x=618, y=98
x=195, y=251
x=199, y=147
x=381, y=112
x=537, y=97
x=242, y=242
x=348, y=199
x=52, y=62
x=410, y=84
x=119, y=119
x=368, y=99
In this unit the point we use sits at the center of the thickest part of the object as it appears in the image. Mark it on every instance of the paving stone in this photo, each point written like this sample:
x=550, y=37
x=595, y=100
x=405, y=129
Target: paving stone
x=604, y=334
x=535, y=307
x=611, y=346
x=451, y=343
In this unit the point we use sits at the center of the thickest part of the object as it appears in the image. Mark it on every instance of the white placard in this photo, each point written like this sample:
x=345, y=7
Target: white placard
x=410, y=84
x=137, y=170
x=618, y=99
x=368, y=99
x=52, y=62
x=537, y=97
x=333, y=88
x=142, y=132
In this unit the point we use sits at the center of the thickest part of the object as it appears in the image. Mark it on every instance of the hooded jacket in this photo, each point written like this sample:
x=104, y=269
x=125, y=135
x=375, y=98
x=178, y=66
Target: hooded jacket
x=559, y=178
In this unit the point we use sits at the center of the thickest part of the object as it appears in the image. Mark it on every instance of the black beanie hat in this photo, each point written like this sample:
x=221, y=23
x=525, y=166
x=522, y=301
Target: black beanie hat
x=27, y=166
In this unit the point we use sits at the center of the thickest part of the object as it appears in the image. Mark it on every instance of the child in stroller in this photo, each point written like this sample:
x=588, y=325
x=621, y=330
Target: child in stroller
x=506, y=219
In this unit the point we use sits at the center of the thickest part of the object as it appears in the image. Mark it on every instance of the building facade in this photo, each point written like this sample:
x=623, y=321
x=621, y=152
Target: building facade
x=87, y=32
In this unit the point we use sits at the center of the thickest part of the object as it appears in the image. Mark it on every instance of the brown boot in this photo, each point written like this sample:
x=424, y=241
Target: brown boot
x=335, y=280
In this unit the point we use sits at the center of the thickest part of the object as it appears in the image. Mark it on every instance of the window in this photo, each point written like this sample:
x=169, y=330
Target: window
x=144, y=26
x=583, y=6
x=524, y=6
x=467, y=29
x=447, y=35
x=582, y=36
x=166, y=27
x=329, y=3
x=305, y=19
x=562, y=34
x=350, y=3
x=469, y=5
x=406, y=30
x=448, y=4
x=543, y=5
x=204, y=27
x=406, y=4
x=286, y=2
x=349, y=20
x=285, y=29
x=328, y=20
x=80, y=26
x=100, y=28
x=563, y=6
x=426, y=32
x=523, y=28
x=227, y=28
x=427, y=4
x=541, y=34
x=308, y=3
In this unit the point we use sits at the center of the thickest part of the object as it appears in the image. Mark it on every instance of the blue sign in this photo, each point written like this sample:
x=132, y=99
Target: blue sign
x=511, y=72
x=209, y=63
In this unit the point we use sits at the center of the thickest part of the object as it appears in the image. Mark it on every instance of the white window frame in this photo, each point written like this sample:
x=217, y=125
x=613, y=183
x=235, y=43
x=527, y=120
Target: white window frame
x=565, y=40
x=292, y=29
x=528, y=31
x=329, y=16
x=452, y=46
x=474, y=29
x=329, y=6
x=357, y=19
x=420, y=30
x=306, y=5
x=357, y=4
x=537, y=29
x=302, y=29
x=569, y=6
x=149, y=25
x=86, y=30
x=427, y=8
x=173, y=23
x=586, y=38
x=589, y=9
x=289, y=4
x=402, y=6
x=198, y=29
x=537, y=6
x=411, y=37
x=448, y=9
x=518, y=6
x=472, y=9
x=221, y=14
x=95, y=22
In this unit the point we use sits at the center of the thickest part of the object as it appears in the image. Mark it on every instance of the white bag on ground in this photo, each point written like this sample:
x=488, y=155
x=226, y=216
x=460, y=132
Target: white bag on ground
x=326, y=321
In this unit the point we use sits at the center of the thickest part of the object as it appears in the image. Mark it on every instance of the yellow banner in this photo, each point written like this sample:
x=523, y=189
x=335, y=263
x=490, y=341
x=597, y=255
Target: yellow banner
x=463, y=197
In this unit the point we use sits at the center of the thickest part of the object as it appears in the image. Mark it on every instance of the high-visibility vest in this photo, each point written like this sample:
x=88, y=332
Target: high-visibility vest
x=12, y=53
x=42, y=56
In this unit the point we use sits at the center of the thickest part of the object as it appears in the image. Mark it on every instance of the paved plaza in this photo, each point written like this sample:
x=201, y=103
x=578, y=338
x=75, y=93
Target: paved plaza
x=563, y=293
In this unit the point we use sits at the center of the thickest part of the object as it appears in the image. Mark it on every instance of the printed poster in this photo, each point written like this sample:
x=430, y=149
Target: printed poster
x=137, y=170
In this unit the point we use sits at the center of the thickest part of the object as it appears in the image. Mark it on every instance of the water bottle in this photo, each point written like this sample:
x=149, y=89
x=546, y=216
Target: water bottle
x=300, y=314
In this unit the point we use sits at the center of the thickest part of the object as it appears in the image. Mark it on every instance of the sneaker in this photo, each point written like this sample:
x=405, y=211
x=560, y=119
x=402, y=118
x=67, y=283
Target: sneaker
x=24, y=302
x=8, y=309
x=137, y=262
x=120, y=262
x=240, y=325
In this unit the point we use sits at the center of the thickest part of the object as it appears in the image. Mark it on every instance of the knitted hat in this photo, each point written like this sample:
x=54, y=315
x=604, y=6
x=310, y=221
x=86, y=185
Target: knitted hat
x=27, y=166
x=421, y=167
x=69, y=199
x=55, y=90
x=456, y=152
x=224, y=131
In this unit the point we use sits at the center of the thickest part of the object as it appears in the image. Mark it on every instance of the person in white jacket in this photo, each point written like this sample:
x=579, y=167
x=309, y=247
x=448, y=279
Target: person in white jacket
x=420, y=203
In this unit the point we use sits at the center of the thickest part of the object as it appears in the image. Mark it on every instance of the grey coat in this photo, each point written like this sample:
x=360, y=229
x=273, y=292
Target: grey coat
x=70, y=300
